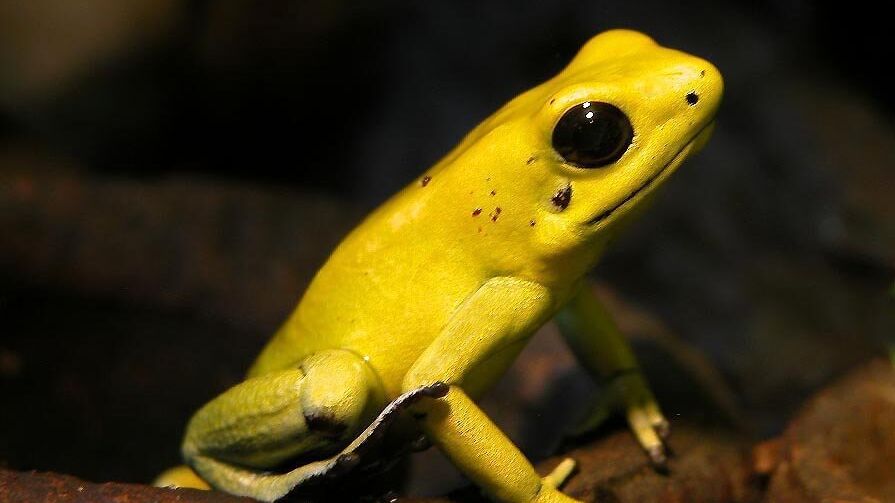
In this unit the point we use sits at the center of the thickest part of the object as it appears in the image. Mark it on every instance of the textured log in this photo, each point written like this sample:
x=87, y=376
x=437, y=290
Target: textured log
x=34, y=487
x=840, y=447
x=707, y=467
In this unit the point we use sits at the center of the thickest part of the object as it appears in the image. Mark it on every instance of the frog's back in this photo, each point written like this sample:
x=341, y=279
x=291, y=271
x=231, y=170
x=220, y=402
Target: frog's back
x=379, y=295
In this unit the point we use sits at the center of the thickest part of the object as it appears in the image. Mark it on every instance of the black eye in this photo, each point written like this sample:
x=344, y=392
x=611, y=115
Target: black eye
x=592, y=134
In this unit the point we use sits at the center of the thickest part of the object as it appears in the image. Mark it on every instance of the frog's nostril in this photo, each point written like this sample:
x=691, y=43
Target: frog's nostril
x=692, y=98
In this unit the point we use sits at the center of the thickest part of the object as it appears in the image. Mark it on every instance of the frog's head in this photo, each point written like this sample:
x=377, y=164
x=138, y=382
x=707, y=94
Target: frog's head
x=620, y=119
x=577, y=155
x=549, y=178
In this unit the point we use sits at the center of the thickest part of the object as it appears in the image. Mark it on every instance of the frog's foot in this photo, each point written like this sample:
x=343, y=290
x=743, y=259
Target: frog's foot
x=651, y=430
x=560, y=474
x=628, y=391
x=268, y=486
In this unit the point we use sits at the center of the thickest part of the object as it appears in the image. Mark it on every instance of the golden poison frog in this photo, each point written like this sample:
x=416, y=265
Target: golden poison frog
x=426, y=303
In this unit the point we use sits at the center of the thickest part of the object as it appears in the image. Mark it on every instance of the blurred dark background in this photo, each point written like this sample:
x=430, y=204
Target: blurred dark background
x=172, y=172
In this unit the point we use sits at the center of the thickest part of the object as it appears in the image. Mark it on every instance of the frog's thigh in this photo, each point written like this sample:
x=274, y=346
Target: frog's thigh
x=271, y=418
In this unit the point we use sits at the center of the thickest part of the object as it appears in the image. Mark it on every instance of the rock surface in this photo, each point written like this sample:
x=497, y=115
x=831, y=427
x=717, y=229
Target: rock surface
x=707, y=467
x=34, y=487
x=840, y=447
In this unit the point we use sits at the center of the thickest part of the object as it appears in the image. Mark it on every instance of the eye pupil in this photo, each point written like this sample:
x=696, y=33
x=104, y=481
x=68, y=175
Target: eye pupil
x=592, y=134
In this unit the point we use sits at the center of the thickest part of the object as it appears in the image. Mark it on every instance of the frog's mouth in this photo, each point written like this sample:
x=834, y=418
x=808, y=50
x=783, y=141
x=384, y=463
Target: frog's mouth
x=695, y=144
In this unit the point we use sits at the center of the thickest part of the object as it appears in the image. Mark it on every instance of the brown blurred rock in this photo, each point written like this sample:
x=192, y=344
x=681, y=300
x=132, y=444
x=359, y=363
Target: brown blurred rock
x=34, y=487
x=841, y=446
x=47, y=44
x=707, y=466
x=237, y=252
x=861, y=156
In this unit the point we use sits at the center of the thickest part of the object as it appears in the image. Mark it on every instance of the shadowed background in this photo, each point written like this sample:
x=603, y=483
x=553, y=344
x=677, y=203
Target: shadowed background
x=172, y=172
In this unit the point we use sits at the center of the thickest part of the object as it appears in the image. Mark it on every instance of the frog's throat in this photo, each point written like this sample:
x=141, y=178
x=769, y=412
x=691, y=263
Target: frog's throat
x=673, y=163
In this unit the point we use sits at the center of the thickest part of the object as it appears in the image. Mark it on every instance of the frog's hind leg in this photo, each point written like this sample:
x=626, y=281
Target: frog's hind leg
x=268, y=486
x=255, y=426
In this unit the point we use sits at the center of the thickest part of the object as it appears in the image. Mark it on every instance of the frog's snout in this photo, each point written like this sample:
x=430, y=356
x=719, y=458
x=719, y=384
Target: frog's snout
x=691, y=93
x=702, y=89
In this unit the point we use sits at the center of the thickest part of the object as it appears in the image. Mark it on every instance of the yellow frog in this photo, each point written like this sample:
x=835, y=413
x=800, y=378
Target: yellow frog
x=428, y=301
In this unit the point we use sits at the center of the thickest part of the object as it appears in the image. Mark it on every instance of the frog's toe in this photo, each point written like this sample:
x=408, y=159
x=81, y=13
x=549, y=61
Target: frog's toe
x=560, y=474
x=658, y=458
x=651, y=435
x=657, y=419
x=662, y=427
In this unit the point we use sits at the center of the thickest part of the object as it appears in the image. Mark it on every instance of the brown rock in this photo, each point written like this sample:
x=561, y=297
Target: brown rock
x=34, y=487
x=841, y=446
x=707, y=466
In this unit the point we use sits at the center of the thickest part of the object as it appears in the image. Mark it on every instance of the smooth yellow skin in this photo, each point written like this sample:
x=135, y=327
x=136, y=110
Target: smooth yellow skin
x=447, y=280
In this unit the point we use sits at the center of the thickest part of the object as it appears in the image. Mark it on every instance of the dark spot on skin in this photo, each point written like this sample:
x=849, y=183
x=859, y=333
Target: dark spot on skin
x=488, y=179
x=530, y=160
x=476, y=212
x=325, y=424
x=562, y=198
x=480, y=230
x=495, y=214
x=531, y=223
x=493, y=192
x=692, y=98
x=425, y=181
x=553, y=101
x=702, y=73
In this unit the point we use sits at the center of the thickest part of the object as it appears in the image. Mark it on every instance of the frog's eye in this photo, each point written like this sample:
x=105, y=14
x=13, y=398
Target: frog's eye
x=592, y=134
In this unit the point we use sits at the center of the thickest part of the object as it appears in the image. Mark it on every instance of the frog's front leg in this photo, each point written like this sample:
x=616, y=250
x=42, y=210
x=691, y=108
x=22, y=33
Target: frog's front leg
x=503, y=312
x=258, y=424
x=603, y=350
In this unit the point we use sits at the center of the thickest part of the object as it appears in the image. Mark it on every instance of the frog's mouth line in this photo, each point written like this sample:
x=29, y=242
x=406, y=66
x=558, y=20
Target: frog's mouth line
x=675, y=161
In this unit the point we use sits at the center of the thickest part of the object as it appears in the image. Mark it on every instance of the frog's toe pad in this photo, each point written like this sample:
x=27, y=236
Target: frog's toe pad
x=663, y=428
x=657, y=456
